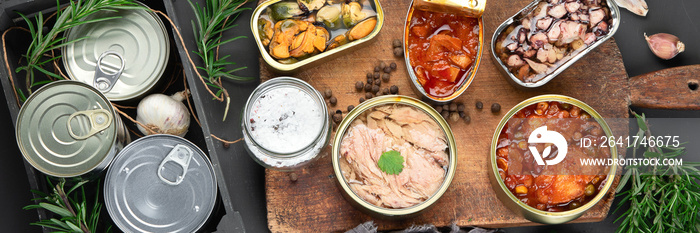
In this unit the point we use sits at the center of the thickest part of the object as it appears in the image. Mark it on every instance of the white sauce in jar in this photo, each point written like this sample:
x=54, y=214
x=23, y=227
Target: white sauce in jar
x=285, y=120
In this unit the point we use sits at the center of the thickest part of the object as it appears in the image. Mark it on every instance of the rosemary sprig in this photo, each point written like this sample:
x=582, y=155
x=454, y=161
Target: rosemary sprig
x=661, y=199
x=75, y=14
x=212, y=20
x=71, y=206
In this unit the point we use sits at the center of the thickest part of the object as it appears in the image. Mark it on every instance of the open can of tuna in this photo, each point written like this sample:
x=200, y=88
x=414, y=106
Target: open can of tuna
x=160, y=183
x=123, y=57
x=68, y=129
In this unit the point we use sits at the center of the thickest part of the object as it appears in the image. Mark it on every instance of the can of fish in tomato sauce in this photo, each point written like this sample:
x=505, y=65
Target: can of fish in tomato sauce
x=160, y=183
x=466, y=8
x=131, y=49
x=68, y=129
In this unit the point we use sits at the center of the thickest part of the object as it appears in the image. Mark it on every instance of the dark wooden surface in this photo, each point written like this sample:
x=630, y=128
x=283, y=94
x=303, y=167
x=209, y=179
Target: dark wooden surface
x=673, y=88
x=314, y=203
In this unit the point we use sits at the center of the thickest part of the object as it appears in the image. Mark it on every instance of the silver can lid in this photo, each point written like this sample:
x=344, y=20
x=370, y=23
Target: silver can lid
x=140, y=39
x=160, y=183
x=66, y=129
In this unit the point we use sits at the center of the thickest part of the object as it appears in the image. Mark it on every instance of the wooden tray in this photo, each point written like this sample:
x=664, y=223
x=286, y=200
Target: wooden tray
x=314, y=203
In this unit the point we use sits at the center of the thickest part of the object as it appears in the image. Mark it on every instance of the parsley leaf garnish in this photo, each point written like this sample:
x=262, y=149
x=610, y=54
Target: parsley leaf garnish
x=391, y=162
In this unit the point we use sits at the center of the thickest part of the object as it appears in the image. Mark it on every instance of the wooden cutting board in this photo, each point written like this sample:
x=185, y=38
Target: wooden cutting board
x=314, y=203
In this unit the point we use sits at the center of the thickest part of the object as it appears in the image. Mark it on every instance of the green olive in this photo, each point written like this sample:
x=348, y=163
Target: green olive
x=590, y=190
x=574, y=205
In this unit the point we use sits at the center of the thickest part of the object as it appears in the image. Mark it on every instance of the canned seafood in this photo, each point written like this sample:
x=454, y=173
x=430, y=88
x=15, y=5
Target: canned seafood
x=136, y=41
x=68, y=129
x=160, y=183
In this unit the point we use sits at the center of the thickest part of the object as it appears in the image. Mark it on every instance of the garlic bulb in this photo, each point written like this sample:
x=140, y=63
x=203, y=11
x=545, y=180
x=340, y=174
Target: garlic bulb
x=664, y=45
x=164, y=114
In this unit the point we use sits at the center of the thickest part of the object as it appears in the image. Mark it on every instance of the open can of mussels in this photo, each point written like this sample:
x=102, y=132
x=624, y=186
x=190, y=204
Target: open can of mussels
x=546, y=37
x=68, y=129
x=160, y=183
x=282, y=30
x=124, y=57
x=443, y=43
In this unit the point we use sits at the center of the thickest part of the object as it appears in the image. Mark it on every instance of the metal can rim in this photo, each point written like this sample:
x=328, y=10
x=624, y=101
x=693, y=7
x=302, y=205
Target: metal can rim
x=288, y=68
x=530, y=212
x=22, y=111
x=614, y=14
x=394, y=99
x=412, y=76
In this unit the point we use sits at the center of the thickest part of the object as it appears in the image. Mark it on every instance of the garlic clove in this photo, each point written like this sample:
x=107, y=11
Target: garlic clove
x=638, y=7
x=664, y=45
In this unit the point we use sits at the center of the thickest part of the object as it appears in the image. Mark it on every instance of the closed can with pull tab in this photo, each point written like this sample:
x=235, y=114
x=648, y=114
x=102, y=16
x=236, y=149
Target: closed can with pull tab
x=160, y=183
x=68, y=129
x=124, y=57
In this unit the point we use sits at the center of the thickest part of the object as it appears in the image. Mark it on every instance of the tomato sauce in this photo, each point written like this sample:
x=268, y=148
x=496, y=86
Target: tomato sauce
x=530, y=185
x=442, y=50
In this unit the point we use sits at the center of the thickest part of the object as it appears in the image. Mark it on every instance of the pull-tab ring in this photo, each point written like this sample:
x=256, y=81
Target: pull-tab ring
x=99, y=119
x=104, y=81
x=179, y=155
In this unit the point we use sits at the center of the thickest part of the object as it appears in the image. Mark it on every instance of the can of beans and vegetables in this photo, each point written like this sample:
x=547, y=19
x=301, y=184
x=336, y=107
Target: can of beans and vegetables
x=68, y=129
x=443, y=42
x=531, y=175
x=295, y=34
x=546, y=37
x=160, y=183
x=286, y=124
x=123, y=57
x=393, y=156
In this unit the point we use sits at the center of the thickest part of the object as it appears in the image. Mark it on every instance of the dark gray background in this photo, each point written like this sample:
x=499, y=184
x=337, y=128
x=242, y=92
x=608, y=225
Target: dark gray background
x=679, y=17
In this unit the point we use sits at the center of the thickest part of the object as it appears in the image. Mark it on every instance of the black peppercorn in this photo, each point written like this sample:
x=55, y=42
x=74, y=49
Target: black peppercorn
x=369, y=74
x=337, y=118
x=226, y=144
x=337, y=111
x=445, y=114
x=438, y=108
x=359, y=85
x=396, y=43
x=393, y=65
x=467, y=119
x=385, y=91
x=387, y=69
x=479, y=105
x=375, y=89
x=386, y=77
x=376, y=75
x=462, y=114
x=495, y=108
x=453, y=107
x=370, y=80
x=293, y=177
x=377, y=82
x=362, y=99
x=382, y=65
x=333, y=101
x=461, y=107
x=368, y=95
x=327, y=93
x=368, y=86
x=350, y=108
x=454, y=117
x=394, y=90
x=377, y=68
x=398, y=52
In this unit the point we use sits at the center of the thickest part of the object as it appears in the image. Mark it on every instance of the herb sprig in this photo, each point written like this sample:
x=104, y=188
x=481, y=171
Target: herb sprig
x=661, y=199
x=43, y=42
x=72, y=207
x=212, y=20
